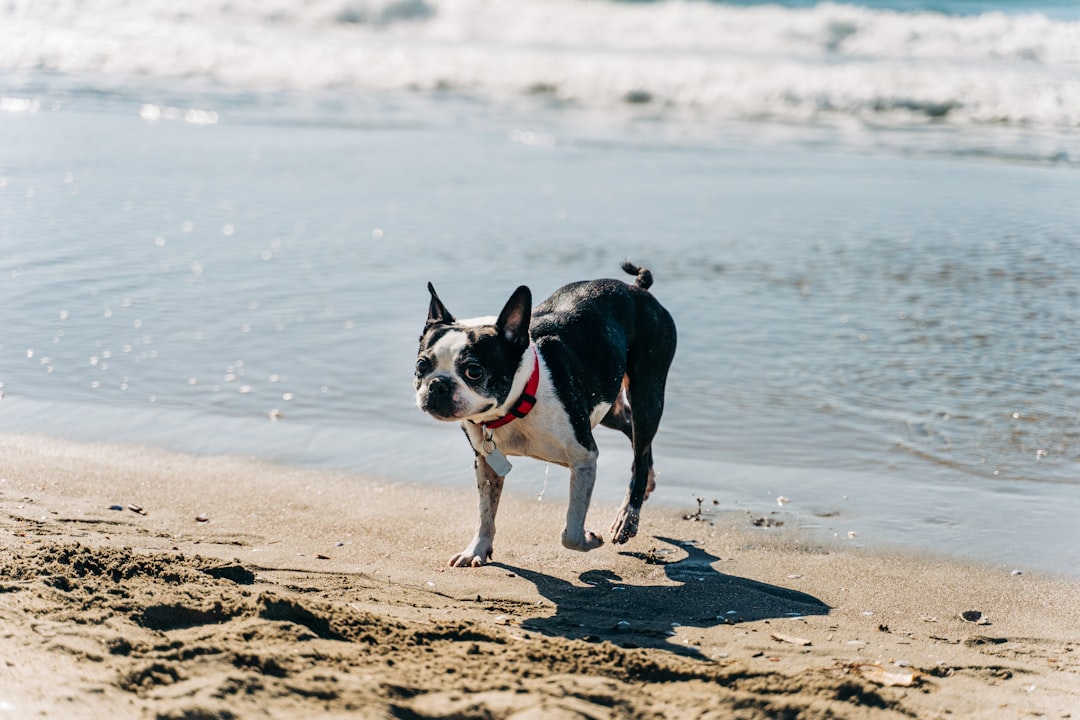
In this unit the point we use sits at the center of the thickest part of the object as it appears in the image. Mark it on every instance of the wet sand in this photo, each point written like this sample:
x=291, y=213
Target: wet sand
x=136, y=583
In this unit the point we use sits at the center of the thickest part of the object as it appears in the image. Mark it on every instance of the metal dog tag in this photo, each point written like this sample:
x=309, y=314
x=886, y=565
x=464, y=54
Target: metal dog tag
x=498, y=462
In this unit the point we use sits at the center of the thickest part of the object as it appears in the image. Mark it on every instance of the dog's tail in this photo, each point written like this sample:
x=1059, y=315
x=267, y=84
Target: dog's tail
x=643, y=276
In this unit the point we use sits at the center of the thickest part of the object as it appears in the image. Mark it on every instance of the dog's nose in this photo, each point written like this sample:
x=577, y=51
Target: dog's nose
x=439, y=398
x=439, y=388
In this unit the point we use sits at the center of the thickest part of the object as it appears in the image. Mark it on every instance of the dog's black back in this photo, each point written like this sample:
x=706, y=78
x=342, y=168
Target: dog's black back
x=589, y=335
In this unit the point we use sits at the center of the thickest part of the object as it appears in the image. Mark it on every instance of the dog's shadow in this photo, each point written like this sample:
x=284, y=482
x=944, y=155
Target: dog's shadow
x=649, y=615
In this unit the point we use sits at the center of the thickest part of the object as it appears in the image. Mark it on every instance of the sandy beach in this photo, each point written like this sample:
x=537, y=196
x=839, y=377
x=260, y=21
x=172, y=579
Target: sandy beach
x=218, y=221
x=136, y=583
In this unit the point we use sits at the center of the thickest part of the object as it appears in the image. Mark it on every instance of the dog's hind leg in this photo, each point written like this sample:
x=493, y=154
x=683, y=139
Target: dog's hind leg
x=625, y=525
x=645, y=391
x=620, y=417
x=582, y=479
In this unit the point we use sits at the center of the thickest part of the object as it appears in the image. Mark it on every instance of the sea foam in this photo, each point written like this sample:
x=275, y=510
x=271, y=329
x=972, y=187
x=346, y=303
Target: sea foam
x=674, y=58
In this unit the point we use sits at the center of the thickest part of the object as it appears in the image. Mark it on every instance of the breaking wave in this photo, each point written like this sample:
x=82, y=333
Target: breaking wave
x=832, y=63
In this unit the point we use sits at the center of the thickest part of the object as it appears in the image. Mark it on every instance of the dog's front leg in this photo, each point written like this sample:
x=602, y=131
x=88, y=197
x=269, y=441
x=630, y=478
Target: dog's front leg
x=574, y=535
x=489, y=487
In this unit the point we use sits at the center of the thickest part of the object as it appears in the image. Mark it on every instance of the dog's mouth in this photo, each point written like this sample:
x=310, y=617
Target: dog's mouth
x=435, y=408
x=438, y=415
x=446, y=412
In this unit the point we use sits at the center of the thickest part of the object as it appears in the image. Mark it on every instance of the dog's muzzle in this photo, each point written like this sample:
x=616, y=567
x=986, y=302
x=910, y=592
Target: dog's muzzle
x=438, y=398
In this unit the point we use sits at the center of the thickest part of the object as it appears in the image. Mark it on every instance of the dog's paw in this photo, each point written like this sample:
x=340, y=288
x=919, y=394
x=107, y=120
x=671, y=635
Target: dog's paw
x=625, y=525
x=584, y=541
x=475, y=555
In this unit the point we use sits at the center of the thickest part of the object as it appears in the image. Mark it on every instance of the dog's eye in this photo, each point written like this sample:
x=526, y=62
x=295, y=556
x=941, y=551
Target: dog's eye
x=423, y=366
x=474, y=372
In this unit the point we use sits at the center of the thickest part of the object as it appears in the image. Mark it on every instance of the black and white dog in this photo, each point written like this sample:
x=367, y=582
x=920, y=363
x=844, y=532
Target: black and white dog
x=536, y=382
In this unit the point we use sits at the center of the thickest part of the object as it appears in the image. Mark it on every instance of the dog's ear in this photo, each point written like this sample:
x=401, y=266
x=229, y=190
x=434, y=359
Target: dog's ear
x=513, y=322
x=437, y=313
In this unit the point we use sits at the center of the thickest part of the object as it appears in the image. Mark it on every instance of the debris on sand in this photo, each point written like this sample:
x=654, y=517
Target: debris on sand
x=875, y=673
x=780, y=637
x=696, y=516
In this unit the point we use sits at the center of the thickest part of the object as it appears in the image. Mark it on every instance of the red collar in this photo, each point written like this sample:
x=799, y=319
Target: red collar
x=526, y=402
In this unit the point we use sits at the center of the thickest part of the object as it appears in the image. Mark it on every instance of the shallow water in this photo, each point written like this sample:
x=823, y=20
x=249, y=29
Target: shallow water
x=891, y=330
x=878, y=312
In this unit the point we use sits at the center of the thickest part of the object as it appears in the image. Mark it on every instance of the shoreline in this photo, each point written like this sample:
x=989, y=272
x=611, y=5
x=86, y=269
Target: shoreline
x=226, y=588
x=1009, y=525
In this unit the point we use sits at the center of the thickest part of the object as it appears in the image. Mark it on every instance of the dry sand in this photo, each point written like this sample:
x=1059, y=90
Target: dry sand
x=231, y=589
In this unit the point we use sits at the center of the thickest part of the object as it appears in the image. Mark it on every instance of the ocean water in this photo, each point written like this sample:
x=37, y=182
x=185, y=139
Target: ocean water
x=217, y=220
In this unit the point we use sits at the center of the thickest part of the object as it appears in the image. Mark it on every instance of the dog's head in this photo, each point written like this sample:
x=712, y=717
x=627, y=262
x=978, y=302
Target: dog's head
x=465, y=369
